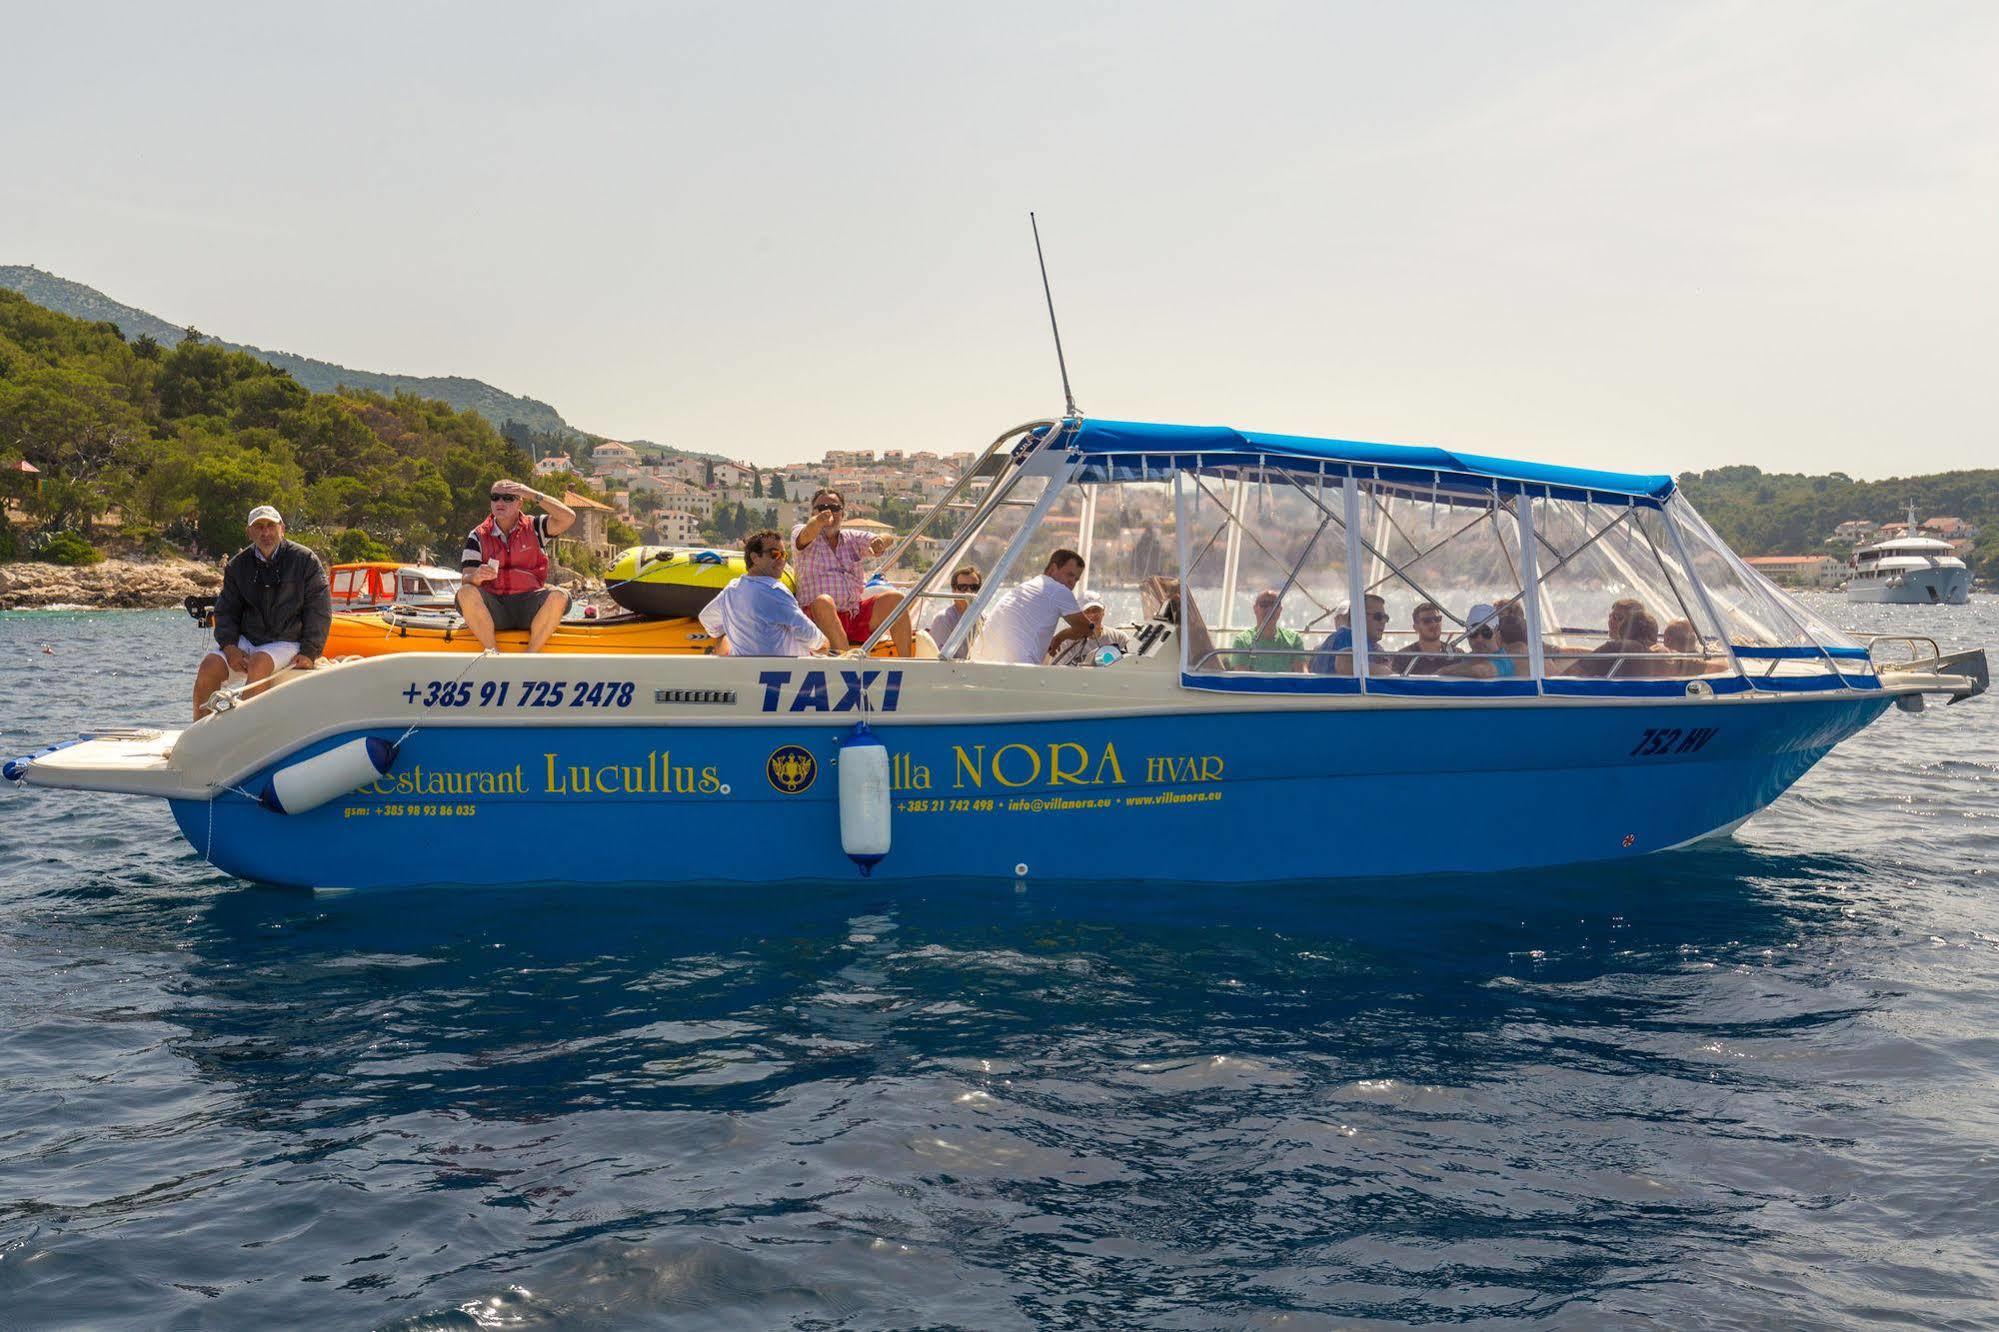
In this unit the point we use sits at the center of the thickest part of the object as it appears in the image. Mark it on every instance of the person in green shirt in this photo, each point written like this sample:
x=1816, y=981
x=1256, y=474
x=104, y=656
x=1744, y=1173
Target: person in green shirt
x=1269, y=646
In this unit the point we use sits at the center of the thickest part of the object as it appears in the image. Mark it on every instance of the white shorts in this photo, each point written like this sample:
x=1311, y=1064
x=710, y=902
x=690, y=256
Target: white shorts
x=281, y=654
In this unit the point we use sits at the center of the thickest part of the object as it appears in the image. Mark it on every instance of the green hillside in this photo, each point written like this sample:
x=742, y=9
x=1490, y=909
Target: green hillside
x=93, y=306
x=168, y=448
x=1787, y=513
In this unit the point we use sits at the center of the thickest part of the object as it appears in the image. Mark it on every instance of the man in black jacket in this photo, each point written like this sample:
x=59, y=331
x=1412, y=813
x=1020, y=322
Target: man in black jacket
x=274, y=611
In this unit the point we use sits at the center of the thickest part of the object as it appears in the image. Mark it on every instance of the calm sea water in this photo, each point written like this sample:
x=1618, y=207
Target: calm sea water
x=1755, y=1086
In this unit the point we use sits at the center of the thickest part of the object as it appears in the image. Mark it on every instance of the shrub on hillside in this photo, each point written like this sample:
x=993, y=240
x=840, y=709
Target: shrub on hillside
x=68, y=548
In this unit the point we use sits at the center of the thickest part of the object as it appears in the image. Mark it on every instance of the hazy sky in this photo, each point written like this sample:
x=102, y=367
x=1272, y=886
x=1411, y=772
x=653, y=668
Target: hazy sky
x=1653, y=236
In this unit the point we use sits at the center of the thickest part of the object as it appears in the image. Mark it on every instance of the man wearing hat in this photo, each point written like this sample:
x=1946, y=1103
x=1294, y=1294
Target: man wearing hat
x=1083, y=651
x=274, y=610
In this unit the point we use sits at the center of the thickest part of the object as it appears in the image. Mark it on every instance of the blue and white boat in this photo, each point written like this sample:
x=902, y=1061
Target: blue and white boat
x=1202, y=747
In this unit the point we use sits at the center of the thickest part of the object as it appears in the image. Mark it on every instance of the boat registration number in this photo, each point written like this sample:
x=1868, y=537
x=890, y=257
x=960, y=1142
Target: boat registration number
x=520, y=694
x=1661, y=740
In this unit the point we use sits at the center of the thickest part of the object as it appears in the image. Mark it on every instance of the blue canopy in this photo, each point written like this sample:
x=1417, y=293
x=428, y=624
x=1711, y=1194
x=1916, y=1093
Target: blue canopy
x=1128, y=450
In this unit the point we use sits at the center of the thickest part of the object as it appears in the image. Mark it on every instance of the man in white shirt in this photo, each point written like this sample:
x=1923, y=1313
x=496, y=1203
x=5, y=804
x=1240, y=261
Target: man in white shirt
x=755, y=616
x=1022, y=625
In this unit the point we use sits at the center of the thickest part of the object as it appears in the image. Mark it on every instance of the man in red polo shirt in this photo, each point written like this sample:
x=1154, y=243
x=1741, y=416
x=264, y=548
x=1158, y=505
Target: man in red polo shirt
x=506, y=568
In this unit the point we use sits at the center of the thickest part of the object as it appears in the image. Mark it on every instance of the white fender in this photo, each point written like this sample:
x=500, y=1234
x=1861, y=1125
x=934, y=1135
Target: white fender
x=312, y=782
x=864, y=797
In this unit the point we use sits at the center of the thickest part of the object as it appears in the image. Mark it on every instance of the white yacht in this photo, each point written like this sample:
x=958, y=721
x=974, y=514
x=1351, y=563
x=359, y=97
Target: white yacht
x=1909, y=570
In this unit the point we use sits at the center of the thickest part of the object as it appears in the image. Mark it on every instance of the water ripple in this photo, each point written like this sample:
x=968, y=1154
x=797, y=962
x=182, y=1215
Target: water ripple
x=1744, y=1086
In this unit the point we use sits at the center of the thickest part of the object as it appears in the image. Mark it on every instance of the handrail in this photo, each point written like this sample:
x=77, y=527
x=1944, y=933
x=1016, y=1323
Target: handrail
x=1913, y=640
x=946, y=558
x=965, y=478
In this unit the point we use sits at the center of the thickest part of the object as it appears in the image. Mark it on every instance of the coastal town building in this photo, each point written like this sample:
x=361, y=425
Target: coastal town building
x=553, y=463
x=671, y=527
x=610, y=452
x=1800, y=570
x=593, y=525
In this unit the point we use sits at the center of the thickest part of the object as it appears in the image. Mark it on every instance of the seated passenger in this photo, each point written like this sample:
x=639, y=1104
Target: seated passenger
x=1487, y=659
x=756, y=615
x=965, y=584
x=1688, y=657
x=1083, y=651
x=505, y=563
x=1641, y=650
x=1335, y=654
x=1602, y=659
x=1281, y=649
x=1513, y=635
x=1023, y=625
x=274, y=610
x=1429, y=653
x=832, y=578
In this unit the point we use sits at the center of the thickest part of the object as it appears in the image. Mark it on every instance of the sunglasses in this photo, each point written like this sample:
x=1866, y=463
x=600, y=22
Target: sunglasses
x=828, y=508
x=964, y=587
x=498, y=498
x=1484, y=631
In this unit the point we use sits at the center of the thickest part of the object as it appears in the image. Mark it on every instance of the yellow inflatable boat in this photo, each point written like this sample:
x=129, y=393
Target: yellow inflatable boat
x=672, y=582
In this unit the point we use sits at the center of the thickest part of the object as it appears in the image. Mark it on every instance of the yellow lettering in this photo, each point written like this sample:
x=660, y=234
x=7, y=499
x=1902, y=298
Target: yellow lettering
x=1211, y=767
x=967, y=768
x=1034, y=758
x=555, y=784
x=711, y=781
x=1109, y=760
x=1057, y=774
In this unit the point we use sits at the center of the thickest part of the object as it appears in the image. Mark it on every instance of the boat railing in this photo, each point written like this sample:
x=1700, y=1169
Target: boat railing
x=1914, y=644
x=994, y=498
x=978, y=467
x=1613, y=665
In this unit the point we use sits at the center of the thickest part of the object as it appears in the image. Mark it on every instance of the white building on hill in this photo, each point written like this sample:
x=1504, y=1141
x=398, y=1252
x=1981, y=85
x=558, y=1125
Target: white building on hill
x=673, y=527
x=611, y=452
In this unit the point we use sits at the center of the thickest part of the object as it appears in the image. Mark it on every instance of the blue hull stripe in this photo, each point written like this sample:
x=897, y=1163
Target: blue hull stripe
x=1241, y=798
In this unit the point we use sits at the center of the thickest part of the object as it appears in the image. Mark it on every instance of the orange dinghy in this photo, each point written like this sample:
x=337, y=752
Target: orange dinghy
x=374, y=633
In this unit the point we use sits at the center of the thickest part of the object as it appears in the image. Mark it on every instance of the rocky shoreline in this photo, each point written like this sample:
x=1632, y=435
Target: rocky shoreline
x=112, y=585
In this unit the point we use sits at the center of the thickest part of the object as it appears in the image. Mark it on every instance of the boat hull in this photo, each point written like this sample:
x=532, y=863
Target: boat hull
x=1927, y=587
x=1201, y=797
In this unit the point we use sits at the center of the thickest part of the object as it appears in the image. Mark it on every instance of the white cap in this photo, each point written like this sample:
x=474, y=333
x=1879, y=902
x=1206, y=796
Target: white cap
x=264, y=513
x=1482, y=613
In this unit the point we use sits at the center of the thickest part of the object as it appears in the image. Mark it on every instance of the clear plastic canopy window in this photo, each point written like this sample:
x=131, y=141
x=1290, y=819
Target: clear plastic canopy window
x=1292, y=567
x=1292, y=573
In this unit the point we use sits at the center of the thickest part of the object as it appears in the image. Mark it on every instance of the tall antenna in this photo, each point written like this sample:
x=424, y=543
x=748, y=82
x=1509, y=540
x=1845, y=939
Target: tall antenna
x=1068, y=398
